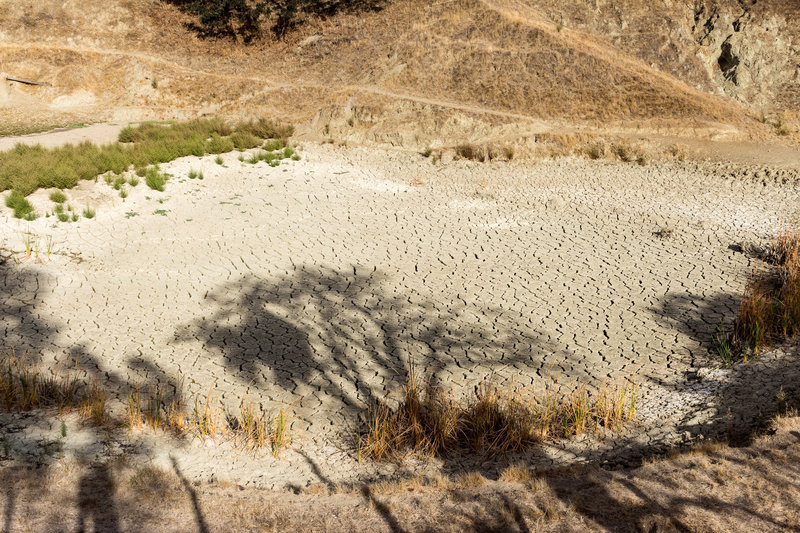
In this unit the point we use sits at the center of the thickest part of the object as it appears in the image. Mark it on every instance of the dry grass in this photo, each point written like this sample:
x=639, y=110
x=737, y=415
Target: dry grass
x=770, y=308
x=495, y=421
x=26, y=385
x=712, y=487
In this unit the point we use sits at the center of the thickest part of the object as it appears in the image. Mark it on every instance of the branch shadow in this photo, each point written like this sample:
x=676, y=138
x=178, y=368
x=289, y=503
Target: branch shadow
x=334, y=340
x=21, y=288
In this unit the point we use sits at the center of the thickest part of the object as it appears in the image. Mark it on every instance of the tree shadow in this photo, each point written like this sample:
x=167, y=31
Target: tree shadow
x=96, y=501
x=747, y=401
x=341, y=340
x=21, y=288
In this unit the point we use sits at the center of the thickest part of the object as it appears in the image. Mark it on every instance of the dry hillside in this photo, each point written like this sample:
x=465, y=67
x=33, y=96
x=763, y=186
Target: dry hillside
x=416, y=73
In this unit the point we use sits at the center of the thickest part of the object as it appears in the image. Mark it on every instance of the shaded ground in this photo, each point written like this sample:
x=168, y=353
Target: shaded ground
x=710, y=488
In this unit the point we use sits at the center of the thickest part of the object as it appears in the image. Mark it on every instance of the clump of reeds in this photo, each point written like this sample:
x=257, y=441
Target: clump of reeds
x=494, y=421
x=25, y=385
x=770, y=308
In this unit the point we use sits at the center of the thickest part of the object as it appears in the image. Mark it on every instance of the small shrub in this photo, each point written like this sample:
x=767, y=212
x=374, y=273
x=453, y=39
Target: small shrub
x=595, y=151
x=133, y=181
x=622, y=152
x=274, y=144
x=75, y=216
x=123, y=193
x=58, y=197
x=219, y=160
x=63, y=217
x=508, y=152
x=427, y=151
x=21, y=206
x=471, y=152
x=155, y=179
x=88, y=212
x=219, y=145
x=244, y=140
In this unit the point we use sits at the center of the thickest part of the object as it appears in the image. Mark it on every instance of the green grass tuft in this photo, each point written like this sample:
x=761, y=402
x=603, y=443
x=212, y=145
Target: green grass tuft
x=58, y=197
x=21, y=206
x=27, y=168
x=155, y=179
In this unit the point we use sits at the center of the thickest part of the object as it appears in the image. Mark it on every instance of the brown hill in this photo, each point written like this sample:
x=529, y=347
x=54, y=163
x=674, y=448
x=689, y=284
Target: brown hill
x=415, y=72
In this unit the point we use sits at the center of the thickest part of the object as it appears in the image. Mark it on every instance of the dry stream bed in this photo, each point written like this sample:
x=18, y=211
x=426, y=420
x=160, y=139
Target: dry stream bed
x=313, y=285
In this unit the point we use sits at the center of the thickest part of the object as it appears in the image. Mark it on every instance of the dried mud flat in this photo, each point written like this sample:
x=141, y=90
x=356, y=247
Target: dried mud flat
x=314, y=285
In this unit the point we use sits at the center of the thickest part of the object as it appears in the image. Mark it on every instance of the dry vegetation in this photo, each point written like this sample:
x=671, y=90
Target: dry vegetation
x=712, y=487
x=446, y=70
x=26, y=385
x=496, y=421
x=770, y=308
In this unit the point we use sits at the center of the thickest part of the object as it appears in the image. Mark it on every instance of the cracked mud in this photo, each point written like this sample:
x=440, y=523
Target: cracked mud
x=316, y=284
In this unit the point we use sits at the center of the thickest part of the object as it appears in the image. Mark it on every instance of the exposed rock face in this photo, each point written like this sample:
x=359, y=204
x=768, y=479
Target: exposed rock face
x=748, y=50
x=751, y=51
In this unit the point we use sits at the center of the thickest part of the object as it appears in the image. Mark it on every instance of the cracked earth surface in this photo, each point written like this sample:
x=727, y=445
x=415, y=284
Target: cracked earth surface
x=315, y=284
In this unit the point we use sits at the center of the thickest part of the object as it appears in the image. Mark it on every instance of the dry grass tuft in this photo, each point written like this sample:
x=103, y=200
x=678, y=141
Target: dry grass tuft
x=770, y=308
x=495, y=421
x=516, y=473
x=24, y=386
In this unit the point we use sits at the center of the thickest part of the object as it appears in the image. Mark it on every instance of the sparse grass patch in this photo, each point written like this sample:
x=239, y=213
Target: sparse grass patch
x=25, y=385
x=495, y=421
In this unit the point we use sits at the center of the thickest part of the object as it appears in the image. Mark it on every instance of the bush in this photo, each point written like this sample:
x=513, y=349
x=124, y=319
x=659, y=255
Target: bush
x=21, y=206
x=58, y=197
x=244, y=140
x=155, y=179
x=219, y=145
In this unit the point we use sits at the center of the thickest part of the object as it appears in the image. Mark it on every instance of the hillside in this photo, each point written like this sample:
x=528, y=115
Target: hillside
x=416, y=73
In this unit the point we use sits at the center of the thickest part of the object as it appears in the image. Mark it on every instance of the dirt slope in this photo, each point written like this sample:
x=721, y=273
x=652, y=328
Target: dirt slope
x=412, y=73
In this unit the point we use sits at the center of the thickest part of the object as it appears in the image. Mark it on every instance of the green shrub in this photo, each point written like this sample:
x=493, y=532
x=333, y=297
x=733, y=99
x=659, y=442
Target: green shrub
x=21, y=206
x=88, y=212
x=274, y=144
x=58, y=197
x=244, y=140
x=219, y=145
x=155, y=179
